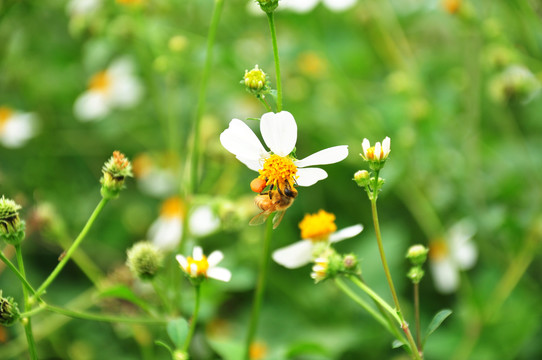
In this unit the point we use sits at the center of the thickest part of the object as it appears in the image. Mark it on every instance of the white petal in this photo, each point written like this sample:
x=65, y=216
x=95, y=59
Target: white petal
x=91, y=105
x=295, y=255
x=215, y=257
x=193, y=269
x=16, y=131
x=125, y=91
x=182, y=261
x=345, y=233
x=203, y=221
x=197, y=253
x=253, y=164
x=465, y=256
x=323, y=157
x=166, y=233
x=241, y=141
x=339, y=5
x=299, y=6
x=365, y=145
x=219, y=273
x=310, y=176
x=279, y=131
x=386, y=146
x=378, y=150
x=445, y=275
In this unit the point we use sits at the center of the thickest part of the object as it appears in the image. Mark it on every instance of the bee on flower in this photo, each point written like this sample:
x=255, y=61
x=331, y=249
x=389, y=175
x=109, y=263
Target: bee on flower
x=16, y=127
x=200, y=267
x=317, y=232
x=452, y=254
x=115, y=87
x=279, y=170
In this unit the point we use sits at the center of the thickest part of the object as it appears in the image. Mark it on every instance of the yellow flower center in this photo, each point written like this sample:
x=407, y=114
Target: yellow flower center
x=279, y=171
x=317, y=227
x=100, y=82
x=172, y=207
x=438, y=250
x=258, y=351
x=201, y=265
x=5, y=114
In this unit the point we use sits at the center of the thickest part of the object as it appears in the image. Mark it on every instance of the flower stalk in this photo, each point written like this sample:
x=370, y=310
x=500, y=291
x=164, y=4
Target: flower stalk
x=194, y=321
x=27, y=324
x=271, y=20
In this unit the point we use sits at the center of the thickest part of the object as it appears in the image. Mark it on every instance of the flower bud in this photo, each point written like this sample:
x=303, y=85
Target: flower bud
x=11, y=226
x=415, y=274
x=362, y=178
x=417, y=254
x=515, y=83
x=376, y=155
x=268, y=6
x=256, y=81
x=144, y=260
x=115, y=170
x=9, y=312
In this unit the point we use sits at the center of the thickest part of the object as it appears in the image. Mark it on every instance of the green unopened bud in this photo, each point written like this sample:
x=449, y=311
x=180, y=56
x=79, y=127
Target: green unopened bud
x=417, y=254
x=256, y=81
x=9, y=312
x=362, y=178
x=415, y=274
x=11, y=226
x=351, y=265
x=144, y=260
x=268, y=6
x=327, y=265
x=115, y=171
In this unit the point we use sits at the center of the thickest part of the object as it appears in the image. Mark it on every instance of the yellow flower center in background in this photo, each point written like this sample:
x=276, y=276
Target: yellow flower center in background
x=100, y=82
x=279, y=170
x=141, y=165
x=5, y=114
x=172, y=207
x=201, y=265
x=438, y=250
x=317, y=227
x=258, y=351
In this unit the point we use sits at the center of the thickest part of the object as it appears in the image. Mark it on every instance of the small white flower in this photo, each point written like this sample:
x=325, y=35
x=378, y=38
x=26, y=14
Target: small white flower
x=115, y=87
x=82, y=7
x=199, y=265
x=279, y=131
x=16, y=128
x=377, y=153
x=452, y=254
x=203, y=221
x=166, y=231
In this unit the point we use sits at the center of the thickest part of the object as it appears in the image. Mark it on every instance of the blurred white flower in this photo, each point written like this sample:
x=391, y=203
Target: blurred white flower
x=203, y=221
x=82, y=7
x=448, y=256
x=166, y=231
x=115, y=87
x=16, y=128
x=316, y=229
x=155, y=177
x=198, y=265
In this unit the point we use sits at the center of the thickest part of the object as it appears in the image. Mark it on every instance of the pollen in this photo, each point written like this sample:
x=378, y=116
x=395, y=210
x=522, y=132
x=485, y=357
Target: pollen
x=172, y=208
x=278, y=171
x=100, y=82
x=317, y=227
x=5, y=114
x=438, y=250
x=200, y=266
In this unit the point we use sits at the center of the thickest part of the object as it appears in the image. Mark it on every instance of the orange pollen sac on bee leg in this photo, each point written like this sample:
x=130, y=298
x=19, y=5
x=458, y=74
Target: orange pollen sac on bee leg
x=279, y=170
x=257, y=185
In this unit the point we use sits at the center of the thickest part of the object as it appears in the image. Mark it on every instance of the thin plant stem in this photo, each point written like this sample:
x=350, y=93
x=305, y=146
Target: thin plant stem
x=417, y=314
x=271, y=20
x=404, y=324
x=194, y=161
x=72, y=248
x=17, y=272
x=27, y=324
x=101, y=317
x=376, y=298
x=260, y=287
x=265, y=104
x=194, y=320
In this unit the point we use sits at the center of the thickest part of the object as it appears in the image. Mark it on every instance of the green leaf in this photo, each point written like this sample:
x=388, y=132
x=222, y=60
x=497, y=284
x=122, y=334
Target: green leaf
x=227, y=349
x=177, y=330
x=397, y=344
x=436, y=322
x=306, y=348
x=163, y=344
x=125, y=293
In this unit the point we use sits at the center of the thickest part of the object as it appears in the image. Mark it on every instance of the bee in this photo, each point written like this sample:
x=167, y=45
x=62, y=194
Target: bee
x=274, y=201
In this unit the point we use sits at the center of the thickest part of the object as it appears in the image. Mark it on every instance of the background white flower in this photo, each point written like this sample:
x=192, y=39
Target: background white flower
x=199, y=265
x=16, y=128
x=166, y=231
x=448, y=256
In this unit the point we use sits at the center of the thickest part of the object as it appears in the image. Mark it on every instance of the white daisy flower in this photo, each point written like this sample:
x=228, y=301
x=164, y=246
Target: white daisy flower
x=166, y=231
x=279, y=131
x=448, y=256
x=16, y=128
x=377, y=153
x=198, y=265
x=203, y=221
x=316, y=229
x=115, y=87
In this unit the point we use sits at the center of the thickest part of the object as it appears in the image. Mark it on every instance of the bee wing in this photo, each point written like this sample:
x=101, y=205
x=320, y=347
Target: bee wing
x=260, y=218
x=278, y=218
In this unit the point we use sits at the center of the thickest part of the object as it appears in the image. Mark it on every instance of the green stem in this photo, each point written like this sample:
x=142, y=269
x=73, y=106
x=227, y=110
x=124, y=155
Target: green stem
x=404, y=324
x=217, y=10
x=194, y=320
x=258, y=296
x=26, y=321
x=378, y=317
x=72, y=248
x=376, y=298
x=265, y=104
x=17, y=272
x=271, y=20
x=101, y=317
x=417, y=314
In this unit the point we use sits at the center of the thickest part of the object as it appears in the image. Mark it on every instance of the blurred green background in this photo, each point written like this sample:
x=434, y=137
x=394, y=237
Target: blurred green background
x=442, y=82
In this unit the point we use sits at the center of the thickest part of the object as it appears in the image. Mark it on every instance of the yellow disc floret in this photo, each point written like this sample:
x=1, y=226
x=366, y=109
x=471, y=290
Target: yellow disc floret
x=279, y=171
x=200, y=267
x=100, y=82
x=317, y=227
x=438, y=250
x=5, y=114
